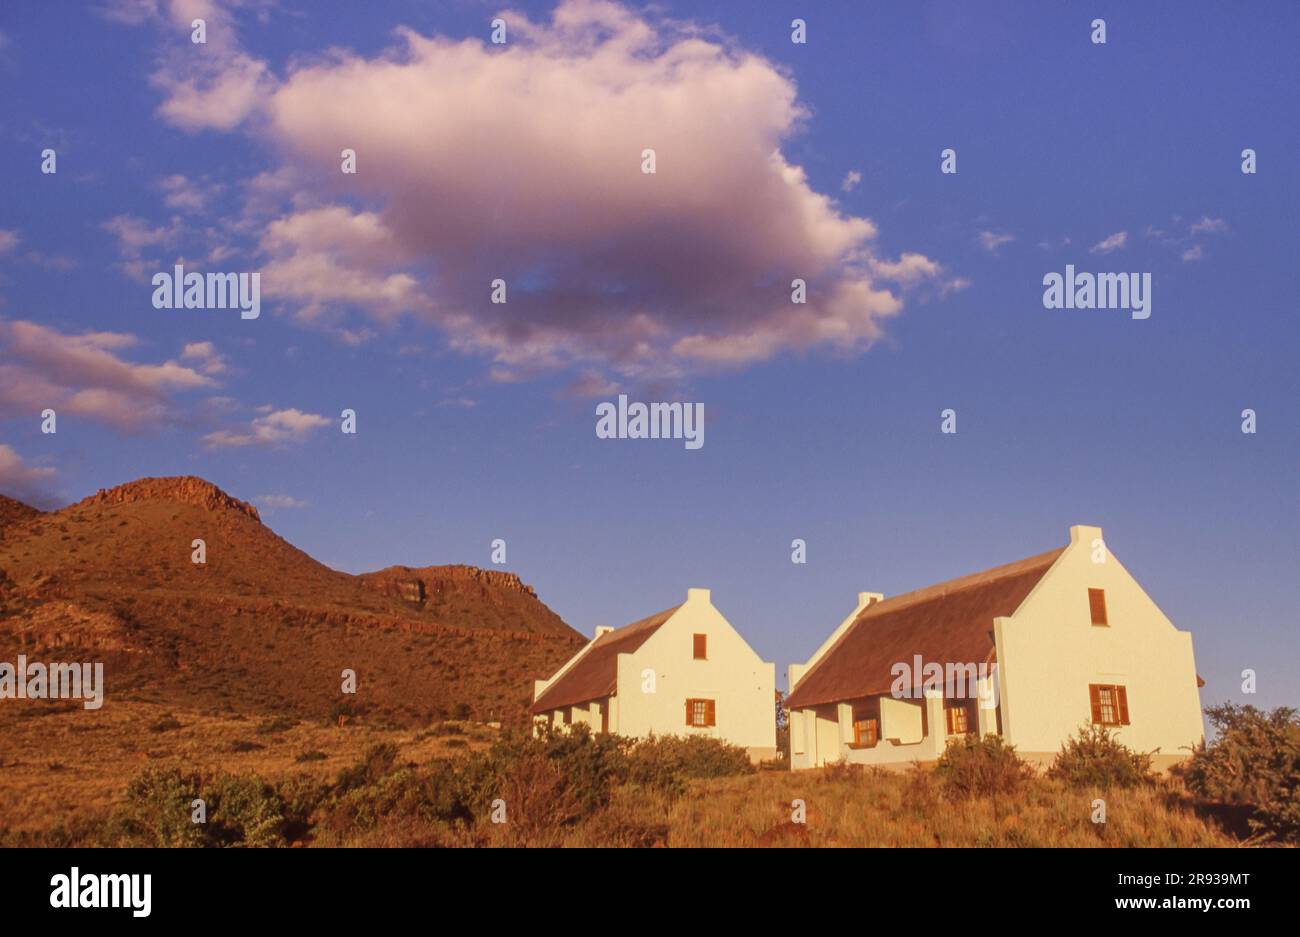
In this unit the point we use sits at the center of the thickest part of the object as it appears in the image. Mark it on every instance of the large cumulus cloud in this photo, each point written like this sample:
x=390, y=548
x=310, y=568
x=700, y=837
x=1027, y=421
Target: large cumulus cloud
x=523, y=162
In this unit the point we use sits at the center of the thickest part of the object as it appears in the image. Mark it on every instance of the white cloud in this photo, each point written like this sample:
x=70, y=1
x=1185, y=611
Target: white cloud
x=8, y=241
x=280, y=502
x=217, y=94
x=272, y=428
x=186, y=194
x=851, y=181
x=326, y=257
x=85, y=375
x=1193, y=253
x=214, y=85
x=991, y=240
x=206, y=357
x=24, y=482
x=473, y=167
x=1209, y=225
x=1112, y=243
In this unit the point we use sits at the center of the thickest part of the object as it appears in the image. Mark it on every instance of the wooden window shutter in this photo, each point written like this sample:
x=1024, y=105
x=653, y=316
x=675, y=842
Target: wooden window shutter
x=690, y=712
x=701, y=646
x=1097, y=605
x=948, y=717
x=1121, y=694
x=1094, y=694
x=710, y=714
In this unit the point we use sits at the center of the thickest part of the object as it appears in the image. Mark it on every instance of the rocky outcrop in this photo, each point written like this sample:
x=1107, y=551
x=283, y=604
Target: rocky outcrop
x=185, y=489
x=420, y=583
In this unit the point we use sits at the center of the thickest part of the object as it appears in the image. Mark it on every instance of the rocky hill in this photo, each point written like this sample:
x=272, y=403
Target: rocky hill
x=260, y=626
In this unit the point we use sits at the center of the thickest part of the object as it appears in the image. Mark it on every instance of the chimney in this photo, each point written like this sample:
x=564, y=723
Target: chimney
x=697, y=595
x=1081, y=533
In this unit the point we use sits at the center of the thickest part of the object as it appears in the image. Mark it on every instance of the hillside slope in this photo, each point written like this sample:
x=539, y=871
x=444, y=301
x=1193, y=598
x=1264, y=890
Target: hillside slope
x=261, y=626
x=13, y=513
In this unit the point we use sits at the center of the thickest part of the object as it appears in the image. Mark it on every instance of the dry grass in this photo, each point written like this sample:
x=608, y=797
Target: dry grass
x=887, y=809
x=59, y=762
x=60, y=767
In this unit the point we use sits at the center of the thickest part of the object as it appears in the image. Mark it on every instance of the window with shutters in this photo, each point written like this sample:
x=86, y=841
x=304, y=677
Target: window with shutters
x=701, y=647
x=866, y=732
x=1109, y=704
x=957, y=719
x=1097, y=605
x=700, y=712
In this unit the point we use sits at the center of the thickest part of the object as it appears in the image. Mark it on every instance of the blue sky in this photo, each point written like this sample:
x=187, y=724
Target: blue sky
x=469, y=433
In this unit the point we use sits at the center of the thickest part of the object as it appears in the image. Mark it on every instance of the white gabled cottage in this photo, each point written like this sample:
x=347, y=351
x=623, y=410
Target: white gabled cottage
x=684, y=671
x=1031, y=651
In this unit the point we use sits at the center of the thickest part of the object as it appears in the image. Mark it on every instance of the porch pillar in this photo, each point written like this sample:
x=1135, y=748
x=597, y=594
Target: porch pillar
x=935, y=724
x=986, y=703
x=844, y=712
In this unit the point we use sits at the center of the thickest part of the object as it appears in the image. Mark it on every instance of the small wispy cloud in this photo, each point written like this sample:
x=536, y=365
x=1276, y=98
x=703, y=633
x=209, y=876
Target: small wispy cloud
x=88, y=375
x=280, y=502
x=8, y=241
x=27, y=483
x=1113, y=243
x=992, y=240
x=185, y=194
x=589, y=384
x=272, y=428
x=205, y=355
x=1209, y=225
x=851, y=181
x=1193, y=253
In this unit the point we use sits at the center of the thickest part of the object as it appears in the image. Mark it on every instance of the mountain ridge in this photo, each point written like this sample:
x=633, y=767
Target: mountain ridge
x=261, y=625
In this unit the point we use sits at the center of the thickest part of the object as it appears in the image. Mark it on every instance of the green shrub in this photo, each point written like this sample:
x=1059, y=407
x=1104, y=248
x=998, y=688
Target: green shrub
x=589, y=765
x=1096, y=758
x=374, y=764
x=1255, y=761
x=375, y=790
x=301, y=795
x=981, y=767
x=539, y=800
x=156, y=811
x=244, y=810
x=690, y=757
